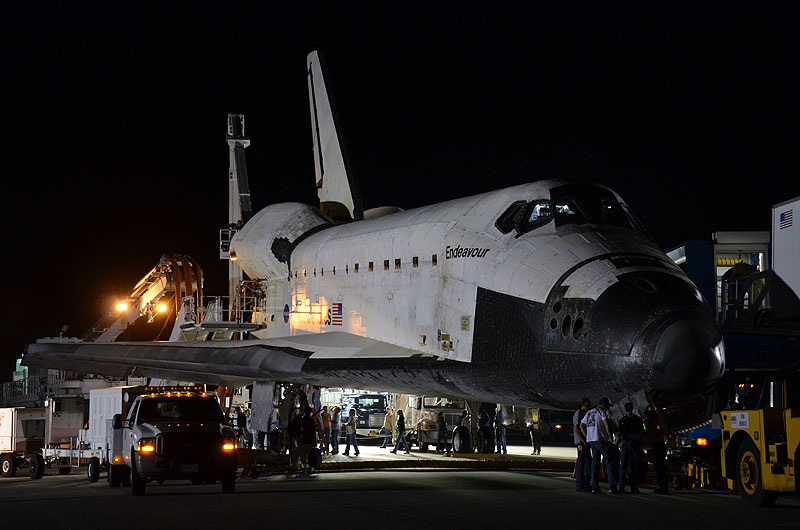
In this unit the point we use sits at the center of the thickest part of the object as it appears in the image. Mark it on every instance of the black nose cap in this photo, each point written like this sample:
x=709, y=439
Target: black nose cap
x=689, y=356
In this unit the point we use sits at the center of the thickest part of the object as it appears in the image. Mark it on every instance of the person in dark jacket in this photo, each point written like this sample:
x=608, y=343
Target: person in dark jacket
x=401, y=433
x=442, y=441
x=630, y=430
x=308, y=437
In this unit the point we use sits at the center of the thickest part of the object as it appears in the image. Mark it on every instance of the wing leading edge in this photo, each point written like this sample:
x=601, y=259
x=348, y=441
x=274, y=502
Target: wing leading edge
x=232, y=363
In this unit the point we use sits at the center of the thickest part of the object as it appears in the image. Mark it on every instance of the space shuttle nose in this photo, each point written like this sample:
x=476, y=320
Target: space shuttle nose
x=689, y=356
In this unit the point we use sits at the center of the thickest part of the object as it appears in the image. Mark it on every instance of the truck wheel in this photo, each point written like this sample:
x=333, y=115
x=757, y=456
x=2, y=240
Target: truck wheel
x=137, y=481
x=8, y=466
x=461, y=440
x=115, y=476
x=36, y=467
x=749, y=477
x=229, y=483
x=93, y=470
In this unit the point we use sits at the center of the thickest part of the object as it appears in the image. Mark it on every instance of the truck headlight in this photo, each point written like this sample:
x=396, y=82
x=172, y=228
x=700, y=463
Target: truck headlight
x=146, y=445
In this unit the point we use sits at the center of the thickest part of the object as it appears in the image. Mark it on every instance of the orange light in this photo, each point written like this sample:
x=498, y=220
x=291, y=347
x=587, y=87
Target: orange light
x=116, y=459
x=147, y=449
x=121, y=307
x=702, y=441
x=161, y=308
x=228, y=447
x=558, y=426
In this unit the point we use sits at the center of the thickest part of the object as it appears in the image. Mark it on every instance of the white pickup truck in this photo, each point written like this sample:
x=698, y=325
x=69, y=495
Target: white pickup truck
x=173, y=433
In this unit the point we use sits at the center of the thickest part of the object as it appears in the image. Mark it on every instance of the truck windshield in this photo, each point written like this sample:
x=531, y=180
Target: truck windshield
x=179, y=408
x=371, y=402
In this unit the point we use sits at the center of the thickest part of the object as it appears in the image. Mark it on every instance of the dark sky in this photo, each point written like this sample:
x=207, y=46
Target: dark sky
x=114, y=119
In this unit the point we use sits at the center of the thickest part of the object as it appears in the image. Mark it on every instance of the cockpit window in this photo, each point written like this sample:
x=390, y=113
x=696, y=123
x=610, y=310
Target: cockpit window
x=568, y=204
x=508, y=221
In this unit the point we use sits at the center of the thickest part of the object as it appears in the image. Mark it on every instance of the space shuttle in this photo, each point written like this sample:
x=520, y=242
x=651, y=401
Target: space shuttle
x=535, y=295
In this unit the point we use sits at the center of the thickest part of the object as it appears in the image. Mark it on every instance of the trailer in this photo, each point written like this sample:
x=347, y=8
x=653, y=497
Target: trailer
x=21, y=436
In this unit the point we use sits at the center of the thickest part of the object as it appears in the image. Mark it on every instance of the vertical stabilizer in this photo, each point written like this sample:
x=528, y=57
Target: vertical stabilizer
x=338, y=194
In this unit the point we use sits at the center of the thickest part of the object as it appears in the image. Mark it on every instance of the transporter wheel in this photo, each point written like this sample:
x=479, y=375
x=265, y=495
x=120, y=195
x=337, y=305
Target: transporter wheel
x=36, y=467
x=8, y=467
x=462, y=442
x=137, y=481
x=93, y=469
x=750, y=478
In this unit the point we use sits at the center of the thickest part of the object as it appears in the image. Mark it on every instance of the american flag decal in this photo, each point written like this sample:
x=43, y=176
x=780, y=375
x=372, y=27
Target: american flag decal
x=336, y=314
x=786, y=219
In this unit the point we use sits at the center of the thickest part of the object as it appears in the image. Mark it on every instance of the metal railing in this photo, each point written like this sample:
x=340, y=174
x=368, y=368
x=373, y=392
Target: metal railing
x=31, y=389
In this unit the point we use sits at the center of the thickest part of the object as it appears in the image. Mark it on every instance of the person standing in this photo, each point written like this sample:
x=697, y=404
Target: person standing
x=500, y=429
x=308, y=438
x=630, y=431
x=350, y=432
x=326, y=429
x=536, y=435
x=442, y=442
x=596, y=428
x=656, y=434
x=583, y=466
x=401, y=433
x=386, y=430
x=335, y=418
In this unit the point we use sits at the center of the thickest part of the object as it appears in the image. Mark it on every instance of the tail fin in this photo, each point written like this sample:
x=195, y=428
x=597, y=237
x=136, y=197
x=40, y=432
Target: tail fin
x=338, y=192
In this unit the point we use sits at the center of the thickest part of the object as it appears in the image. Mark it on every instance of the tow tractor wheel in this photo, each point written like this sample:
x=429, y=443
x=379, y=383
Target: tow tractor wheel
x=36, y=467
x=93, y=470
x=8, y=467
x=749, y=476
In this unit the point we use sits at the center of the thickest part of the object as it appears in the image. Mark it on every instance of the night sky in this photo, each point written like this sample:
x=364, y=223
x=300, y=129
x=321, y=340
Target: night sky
x=114, y=120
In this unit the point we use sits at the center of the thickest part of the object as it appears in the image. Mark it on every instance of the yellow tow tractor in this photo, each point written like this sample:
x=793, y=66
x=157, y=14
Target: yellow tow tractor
x=761, y=447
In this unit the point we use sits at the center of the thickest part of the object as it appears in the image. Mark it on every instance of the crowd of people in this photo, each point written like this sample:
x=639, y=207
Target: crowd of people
x=618, y=447
x=615, y=447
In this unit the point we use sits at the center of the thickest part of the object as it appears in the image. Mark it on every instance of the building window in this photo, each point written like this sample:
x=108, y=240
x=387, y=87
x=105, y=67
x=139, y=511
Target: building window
x=386, y=264
x=397, y=264
x=370, y=266
x=334, y=270
x=322, y=271
x=415, y=261
x=355, y=267
x=315, y=271
x=433, y=260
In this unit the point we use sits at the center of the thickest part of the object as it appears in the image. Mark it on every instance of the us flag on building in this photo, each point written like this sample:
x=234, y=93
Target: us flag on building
x=786, y=219
x=336, y=314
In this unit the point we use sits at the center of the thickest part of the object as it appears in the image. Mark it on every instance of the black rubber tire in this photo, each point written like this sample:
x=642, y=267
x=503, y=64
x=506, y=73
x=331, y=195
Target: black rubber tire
x=229, y=483
x=93, y=470
x=8, y=466
x=137, y=481
x=486, y=439
x=115, y=475
x=462, y=441
x=36, y=467
x=749, y=476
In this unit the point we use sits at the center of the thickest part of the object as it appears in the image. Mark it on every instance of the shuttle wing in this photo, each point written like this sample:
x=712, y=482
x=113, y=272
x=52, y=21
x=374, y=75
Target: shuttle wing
x=233, y=363
x=338, y=193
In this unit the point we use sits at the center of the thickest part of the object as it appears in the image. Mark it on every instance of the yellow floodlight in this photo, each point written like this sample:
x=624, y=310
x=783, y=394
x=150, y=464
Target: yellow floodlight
x=161, y=307
x=122, y=306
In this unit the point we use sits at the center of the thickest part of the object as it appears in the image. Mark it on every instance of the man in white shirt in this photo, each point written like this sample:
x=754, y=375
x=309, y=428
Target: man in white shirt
x=596, y=429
